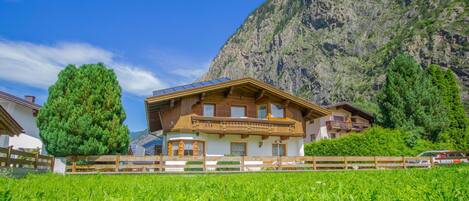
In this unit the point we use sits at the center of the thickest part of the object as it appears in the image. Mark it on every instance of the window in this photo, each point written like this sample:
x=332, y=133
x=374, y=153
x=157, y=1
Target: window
x=279, y=150
x=158, y=149
x=175, y=147
x=209, y=110
x=277, y=111
x=189, y=147
x=338, y=118
x=238, y=149
x=262, y=112
x=238, y=111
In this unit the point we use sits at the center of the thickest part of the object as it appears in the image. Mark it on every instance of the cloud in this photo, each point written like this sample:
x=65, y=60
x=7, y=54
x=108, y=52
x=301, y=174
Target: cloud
x=38, y=65
x=185, y=68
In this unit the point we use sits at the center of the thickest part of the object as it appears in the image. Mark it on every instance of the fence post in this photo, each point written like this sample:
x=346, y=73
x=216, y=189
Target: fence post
x=404, y=162
x=242, y=163
x=314, y=162
x=7, y=163
x=161, y=162
x=280, y=162
x=432, y=162
x=205, y=163
x=117, y=159
x=36, y=159
x=52, y=163
x=74, y=164
x=345, y=163
x=376, y=162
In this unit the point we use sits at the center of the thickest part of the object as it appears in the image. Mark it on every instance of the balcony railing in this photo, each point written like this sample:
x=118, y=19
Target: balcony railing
x=229, y=125
x=342, y=125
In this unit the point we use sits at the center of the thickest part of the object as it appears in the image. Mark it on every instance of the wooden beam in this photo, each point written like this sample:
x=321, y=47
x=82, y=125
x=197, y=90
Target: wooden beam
x=265, y=137
x=221, y=136
x=244, y=136
x=202, y=96
x=261, y=95
x=286, y=103
x=229, y=92
x=284, y=137
x=171, y=103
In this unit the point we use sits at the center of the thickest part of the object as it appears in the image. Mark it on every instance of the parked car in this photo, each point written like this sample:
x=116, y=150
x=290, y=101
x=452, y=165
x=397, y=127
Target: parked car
x=444, y=157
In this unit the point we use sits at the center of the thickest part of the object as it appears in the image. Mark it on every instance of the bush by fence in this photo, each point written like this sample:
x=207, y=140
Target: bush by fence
x=375, y=141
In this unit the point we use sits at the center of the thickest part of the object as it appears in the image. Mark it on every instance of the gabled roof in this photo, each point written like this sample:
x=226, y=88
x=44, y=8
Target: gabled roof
x=353, y=109
x=19, y=101
x=8, y=123
x=225, y=83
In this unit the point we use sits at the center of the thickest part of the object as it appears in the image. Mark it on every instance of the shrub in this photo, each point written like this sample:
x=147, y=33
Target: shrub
x=228, y=163
x=194, y=163
x=375, y=141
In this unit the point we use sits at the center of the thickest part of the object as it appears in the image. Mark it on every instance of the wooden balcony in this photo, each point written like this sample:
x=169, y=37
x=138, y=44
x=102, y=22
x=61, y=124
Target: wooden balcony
x=244, y=126
x=347, y=126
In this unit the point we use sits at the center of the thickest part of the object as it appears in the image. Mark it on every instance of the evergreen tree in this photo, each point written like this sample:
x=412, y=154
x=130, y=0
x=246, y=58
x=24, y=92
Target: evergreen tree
x=458, y=129
x=409, y=100
x=83, y=114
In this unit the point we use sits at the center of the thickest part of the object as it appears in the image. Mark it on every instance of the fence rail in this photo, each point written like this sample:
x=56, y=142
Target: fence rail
x=12, y=158
x=214, y=164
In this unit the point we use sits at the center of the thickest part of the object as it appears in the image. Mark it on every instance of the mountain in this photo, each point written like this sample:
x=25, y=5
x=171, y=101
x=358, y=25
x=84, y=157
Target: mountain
x=136, y=134
x=330, y=51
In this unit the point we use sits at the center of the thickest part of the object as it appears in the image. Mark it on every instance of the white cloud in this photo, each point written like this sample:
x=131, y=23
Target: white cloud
x=38, y=65
x=186, y=68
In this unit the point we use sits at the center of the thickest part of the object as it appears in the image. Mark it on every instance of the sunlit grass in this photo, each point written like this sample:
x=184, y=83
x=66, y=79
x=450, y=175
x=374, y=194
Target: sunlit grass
x=449, y=183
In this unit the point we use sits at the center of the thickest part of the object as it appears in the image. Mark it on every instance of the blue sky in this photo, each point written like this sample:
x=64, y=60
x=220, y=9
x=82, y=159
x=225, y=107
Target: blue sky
x=149, y=44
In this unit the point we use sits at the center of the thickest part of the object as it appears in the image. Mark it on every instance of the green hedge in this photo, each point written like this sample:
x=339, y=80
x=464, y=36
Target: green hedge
x=375, y=141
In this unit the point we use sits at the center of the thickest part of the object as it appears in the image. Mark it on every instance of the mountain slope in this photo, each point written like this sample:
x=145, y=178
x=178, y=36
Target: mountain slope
x=330, y=51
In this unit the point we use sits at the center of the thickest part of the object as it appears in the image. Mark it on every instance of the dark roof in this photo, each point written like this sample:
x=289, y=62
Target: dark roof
x=353, y=109
x=19, y=100
x=190, y=86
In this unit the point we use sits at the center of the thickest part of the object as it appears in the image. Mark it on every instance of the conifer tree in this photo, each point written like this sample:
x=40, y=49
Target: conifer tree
x=409, y=100
x=83, y=114
x=457, y=131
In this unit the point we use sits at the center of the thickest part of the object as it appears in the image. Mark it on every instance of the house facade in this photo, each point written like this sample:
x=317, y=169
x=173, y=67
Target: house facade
x=345, y=118
x=224, y=117
x=23, y=111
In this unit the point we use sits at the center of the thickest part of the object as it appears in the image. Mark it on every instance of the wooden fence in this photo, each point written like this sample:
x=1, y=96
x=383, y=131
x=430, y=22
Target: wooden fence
x=217, y=164
x=12, y=158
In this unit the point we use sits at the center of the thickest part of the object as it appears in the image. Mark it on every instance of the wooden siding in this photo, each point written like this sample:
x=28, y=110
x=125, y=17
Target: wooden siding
x=177, y=117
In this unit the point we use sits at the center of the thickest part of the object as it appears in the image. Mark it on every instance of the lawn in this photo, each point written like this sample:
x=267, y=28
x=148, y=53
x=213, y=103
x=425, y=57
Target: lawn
x=448, y=183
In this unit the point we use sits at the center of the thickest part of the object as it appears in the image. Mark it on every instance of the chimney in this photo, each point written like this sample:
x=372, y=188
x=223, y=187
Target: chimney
x=31, y=99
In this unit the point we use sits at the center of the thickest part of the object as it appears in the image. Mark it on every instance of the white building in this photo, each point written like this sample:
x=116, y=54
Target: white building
x=24, y=112
x=344, y=119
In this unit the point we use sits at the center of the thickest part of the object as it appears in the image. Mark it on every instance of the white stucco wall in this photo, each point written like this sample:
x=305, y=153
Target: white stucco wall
x=24, y=116
x=317, y=130
x=216, y=146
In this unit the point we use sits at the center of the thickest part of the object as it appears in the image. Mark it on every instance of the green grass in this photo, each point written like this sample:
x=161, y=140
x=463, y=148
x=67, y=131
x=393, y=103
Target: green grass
x=449, y=183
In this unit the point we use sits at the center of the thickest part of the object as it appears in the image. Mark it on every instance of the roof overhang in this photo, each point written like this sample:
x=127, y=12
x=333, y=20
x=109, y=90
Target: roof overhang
x=8, y=125
x=353, y=109
x=314, y=109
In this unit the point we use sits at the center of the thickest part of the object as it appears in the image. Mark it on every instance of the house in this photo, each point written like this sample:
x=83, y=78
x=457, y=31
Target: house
x=230, y=117
x=344, y=119
x=8, y=127
x=146, y=144
x=22, y=111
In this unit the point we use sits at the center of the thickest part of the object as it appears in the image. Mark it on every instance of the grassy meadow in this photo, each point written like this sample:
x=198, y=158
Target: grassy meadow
x=442, y=183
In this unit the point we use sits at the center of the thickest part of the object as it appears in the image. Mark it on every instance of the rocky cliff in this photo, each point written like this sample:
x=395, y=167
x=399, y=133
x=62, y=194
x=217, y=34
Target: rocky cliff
x=330, y=51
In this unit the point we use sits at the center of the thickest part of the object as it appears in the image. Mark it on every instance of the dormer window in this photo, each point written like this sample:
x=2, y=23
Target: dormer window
x=209, y=110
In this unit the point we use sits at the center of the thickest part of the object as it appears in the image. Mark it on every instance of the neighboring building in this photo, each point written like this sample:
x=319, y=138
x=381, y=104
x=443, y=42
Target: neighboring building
x=8, y=127
x=230, y=117
x=24, y=112
x=345, y=118
x=146, y=144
